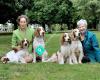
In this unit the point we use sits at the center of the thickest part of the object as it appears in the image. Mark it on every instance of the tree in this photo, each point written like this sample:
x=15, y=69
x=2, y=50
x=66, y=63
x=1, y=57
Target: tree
x=92, y=9
x=51, y=11
x=89, y=10
x=11, y=9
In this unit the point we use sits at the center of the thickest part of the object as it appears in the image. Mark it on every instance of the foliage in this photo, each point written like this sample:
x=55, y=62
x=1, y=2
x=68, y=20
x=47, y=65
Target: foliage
x=11, y=9
x=89, y=10
x=51, y=11
x=59, y=27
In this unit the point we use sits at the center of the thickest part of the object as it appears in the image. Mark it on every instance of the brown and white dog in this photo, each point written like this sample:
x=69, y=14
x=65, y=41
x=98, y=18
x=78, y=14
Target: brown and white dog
x=21, y=56
x=66, y=48
x=64, y=55
x=56, y=57
x=39, y=40
x=76, y=46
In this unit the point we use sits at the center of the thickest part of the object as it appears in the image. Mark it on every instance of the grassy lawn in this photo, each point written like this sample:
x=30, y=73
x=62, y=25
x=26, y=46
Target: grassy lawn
x=46, y=71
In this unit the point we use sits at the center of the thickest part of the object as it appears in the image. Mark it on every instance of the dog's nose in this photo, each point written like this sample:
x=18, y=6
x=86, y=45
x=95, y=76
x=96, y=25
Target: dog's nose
x=25, y=44
x=68, y=39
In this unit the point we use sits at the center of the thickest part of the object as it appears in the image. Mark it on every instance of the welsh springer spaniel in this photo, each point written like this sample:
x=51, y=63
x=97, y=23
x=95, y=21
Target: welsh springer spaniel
x=76, y=46
x=21, y=56
x=64, y=55
x=39, y=41
x=66, y=48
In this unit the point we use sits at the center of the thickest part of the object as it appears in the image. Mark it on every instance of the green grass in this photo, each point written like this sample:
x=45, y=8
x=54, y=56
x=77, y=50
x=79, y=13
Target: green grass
x=5, y=43
x=46, y=71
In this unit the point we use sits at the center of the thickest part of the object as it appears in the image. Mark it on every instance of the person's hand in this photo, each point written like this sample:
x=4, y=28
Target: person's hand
x=17, y=48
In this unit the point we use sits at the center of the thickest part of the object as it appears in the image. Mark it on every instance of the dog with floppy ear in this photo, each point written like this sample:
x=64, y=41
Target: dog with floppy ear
x=24, y=43
x=21, y=56
x=66, y=48
x=76, y=47
x=65, y=37
x=39, y=41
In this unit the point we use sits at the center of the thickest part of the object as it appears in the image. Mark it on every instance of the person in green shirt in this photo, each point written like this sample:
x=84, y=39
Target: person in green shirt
x=23, y=32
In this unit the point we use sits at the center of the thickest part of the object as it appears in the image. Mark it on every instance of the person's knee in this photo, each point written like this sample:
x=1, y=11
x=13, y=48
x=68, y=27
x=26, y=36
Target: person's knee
x=98, y=57
x=92, y=58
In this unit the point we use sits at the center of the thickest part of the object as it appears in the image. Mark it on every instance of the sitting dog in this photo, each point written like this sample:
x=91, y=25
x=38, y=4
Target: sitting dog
x=66, y=48
x=64, y=55
x=39, y=41
x=21, y=56
x=76, y=47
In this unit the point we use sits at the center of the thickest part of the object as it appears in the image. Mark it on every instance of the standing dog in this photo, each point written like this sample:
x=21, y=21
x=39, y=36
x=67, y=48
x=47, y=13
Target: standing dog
x=39, y=41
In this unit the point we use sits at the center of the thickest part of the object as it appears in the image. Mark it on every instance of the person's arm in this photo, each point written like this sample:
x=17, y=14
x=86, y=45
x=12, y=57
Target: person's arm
x=15, y=47
x=94, y=42
x=32, y=32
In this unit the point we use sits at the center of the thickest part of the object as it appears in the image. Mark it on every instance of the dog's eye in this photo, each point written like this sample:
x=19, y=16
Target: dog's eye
x=27, y=41
x=64, y=35
x=22, y=41
x=38, y=29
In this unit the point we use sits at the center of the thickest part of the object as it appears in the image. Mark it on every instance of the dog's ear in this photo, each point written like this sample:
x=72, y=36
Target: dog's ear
x=43, y=34
x=21, y=44
x=28, y=43
x=80, y=36
x=70, y=41
x=74, y=34
x=62, y=39
x=36, y=33
x=71, y=35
